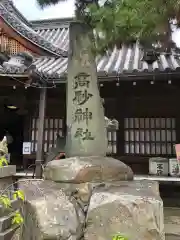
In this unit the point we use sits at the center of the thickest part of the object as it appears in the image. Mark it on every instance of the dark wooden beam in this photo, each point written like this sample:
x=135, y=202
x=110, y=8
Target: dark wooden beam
x=39, y=154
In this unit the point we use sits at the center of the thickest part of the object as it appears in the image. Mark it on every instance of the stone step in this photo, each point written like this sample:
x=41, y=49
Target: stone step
x=171, y=202
x=5, y=222
x=172, y=223
x=8, y=234
x=171, y=211
x=7, y=171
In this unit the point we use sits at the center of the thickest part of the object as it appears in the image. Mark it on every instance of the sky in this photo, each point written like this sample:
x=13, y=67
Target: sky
x=62, y=10
x=33, y=12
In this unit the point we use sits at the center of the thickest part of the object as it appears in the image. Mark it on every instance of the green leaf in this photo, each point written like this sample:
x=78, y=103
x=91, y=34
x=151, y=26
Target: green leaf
x=5, y=201
x=3, y=162
x=118, y=22
x=19, y=195
x=121, y=22
x=15, y=196
x=17, y=219
x=119, y=237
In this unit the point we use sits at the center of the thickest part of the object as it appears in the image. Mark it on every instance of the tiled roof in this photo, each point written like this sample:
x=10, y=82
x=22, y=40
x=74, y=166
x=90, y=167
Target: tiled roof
x=55, y=31
x=58, y=36
x=19, y=24
x=53, y=36
x=126, y=60
x=51, y=67
x=119, y=62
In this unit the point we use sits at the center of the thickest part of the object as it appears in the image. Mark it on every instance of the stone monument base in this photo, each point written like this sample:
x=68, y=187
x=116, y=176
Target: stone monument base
x=91, y=198
x=87, y=169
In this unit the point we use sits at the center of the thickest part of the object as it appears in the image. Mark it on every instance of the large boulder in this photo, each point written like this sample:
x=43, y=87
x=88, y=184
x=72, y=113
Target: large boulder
x=132, y=209
x=87, y=169
x=49, y=213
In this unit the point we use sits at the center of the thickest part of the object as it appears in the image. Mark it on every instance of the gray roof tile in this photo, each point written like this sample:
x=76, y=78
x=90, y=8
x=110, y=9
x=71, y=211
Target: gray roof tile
x=126, y=60
x=53, y=36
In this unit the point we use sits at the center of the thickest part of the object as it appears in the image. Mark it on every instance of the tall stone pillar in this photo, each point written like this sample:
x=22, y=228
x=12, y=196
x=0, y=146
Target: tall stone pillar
x=86, y=132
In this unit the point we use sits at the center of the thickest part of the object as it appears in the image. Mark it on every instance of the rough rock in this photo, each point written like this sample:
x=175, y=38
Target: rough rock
x=131, y=209
x=87, y=169
x=49, y=213
x=82, y=192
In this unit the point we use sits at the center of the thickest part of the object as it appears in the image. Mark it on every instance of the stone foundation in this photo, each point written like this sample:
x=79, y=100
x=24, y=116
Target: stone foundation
x=96, y=206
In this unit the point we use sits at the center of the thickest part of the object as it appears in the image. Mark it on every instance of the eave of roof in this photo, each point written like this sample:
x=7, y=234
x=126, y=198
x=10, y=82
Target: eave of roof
x=57, y=35
x=122, y=63
x=10, y=16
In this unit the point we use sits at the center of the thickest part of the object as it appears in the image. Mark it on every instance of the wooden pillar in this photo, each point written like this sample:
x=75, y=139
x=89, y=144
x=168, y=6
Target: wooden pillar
x=120, y=110
x=39, y=153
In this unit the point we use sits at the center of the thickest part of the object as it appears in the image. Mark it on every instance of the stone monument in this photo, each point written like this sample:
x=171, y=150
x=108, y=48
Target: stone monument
x=89, y=196
x=86, y=135
x=86, y=140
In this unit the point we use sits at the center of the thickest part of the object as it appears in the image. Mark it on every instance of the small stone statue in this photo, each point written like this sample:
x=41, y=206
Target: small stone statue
x=111, y=124
x=4, y=151
x=3, y=147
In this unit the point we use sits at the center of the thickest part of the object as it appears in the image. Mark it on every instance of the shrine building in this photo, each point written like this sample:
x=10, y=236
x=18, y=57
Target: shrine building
x=143, y=98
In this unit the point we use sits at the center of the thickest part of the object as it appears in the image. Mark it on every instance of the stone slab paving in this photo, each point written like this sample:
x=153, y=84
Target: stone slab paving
x=172, y=223
x=172, y=237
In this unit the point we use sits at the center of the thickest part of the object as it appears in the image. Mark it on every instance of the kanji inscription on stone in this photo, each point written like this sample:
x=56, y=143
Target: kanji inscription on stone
x=81, y=115
x=84, y=135
x=160, y=168
x=81, y=80
x=175, y=168
x=81, y=97
x=84, y=58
